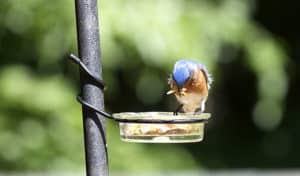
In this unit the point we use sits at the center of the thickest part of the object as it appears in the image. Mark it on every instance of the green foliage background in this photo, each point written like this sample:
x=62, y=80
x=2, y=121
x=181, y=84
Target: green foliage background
x=40, y=121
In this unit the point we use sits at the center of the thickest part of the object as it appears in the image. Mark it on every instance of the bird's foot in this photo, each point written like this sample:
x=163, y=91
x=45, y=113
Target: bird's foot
x=177, y=110
x=198, y=111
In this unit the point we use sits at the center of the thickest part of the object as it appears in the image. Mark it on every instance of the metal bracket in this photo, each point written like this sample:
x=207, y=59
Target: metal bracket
x=84, y=68
x=101, y=84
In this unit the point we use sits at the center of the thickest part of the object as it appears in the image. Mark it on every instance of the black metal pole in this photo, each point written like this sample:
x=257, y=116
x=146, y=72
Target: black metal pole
x=89, y=52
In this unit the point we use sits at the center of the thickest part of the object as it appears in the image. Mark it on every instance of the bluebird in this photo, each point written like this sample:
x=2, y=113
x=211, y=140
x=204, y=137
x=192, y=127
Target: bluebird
x=190, y=83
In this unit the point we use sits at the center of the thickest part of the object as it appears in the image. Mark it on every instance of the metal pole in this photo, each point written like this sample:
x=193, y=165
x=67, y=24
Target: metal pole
x=89, y=52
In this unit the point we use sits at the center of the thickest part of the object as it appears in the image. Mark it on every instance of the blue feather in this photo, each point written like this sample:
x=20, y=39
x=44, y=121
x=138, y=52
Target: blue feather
x=184, y=70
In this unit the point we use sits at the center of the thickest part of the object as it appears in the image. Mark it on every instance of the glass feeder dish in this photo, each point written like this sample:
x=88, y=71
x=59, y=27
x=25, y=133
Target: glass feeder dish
x=161, y=127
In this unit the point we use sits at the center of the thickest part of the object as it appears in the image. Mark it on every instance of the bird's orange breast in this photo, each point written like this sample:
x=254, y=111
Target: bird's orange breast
x=197, y=84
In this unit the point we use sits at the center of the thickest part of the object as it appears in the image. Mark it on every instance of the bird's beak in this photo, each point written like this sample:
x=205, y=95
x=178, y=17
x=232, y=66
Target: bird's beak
x=170, y=92
x=182, y=91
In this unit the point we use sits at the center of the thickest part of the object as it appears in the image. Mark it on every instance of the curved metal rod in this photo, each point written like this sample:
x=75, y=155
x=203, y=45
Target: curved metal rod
x=107, y=115
x=78, y=61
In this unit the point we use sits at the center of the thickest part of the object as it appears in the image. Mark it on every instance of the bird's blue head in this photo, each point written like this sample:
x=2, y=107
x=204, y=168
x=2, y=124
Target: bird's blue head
x=183, y=71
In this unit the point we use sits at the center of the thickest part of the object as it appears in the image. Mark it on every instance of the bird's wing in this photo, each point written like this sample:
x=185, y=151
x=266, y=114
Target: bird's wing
x=208, y=77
